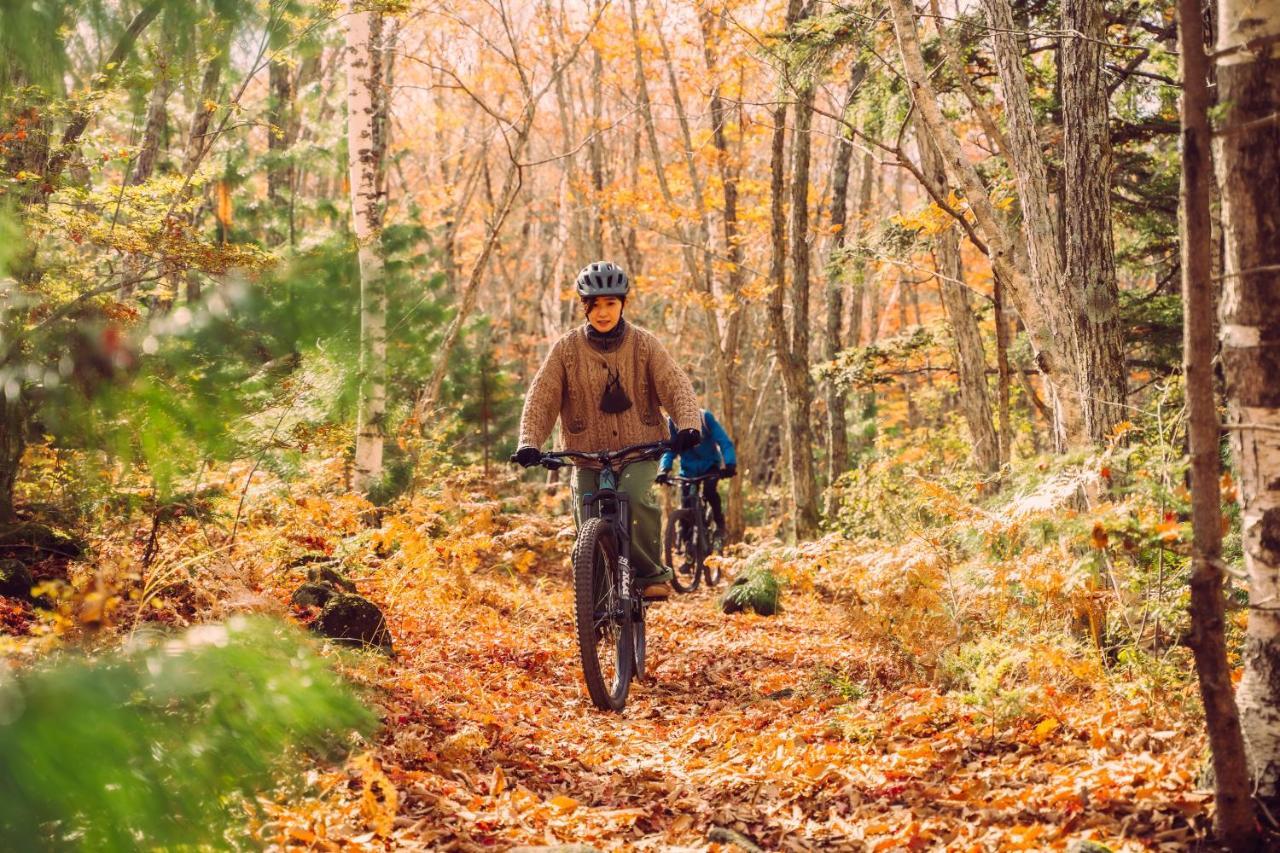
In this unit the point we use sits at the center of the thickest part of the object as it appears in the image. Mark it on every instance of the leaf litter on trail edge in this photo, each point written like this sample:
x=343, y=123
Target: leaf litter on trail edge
x=490, y=740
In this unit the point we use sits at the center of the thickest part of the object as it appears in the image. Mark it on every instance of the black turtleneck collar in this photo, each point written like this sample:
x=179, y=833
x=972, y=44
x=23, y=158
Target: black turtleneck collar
x=607, y=341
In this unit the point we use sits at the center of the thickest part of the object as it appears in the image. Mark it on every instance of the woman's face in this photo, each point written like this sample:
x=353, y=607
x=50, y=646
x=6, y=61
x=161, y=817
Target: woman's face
x=604, y=313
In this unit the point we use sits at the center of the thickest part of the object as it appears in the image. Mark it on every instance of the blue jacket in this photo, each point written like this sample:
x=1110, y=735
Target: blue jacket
x=715, y=446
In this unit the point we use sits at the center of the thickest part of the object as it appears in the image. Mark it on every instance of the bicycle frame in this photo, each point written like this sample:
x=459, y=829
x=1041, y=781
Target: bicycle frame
x=610, y=504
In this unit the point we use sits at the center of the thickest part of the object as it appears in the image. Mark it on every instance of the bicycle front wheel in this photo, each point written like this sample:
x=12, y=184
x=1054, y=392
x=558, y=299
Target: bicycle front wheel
x=681, y=549
x=605, y=638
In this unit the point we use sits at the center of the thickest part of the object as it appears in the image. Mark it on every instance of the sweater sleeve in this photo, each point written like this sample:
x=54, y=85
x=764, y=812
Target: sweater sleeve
x=722, y=440
x=675, y=391
x=542, y=402
x=668, y=459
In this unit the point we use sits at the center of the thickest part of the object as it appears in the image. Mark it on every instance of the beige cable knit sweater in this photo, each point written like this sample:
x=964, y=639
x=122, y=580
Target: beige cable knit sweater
x=572, y=379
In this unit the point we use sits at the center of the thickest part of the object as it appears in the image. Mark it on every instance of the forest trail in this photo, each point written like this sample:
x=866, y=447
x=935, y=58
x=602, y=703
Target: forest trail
x=792, y=730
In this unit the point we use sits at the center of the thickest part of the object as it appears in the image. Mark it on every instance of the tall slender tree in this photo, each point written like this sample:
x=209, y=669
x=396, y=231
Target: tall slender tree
x=366, y=159
x=1089, y=265
x=1248, y=73
x=1233, y=818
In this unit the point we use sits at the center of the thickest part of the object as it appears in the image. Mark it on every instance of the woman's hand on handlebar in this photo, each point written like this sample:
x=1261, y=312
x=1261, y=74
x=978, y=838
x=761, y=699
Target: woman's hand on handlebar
x=527, y=456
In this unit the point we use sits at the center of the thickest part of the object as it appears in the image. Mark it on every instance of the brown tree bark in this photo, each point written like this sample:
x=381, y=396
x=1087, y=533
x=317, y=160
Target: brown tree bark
x=1233, y=818
x=791, y=345
x=1248, y=75
x=837, y=399
x=1039, y=227
x=1028, y=295
x=1003, y=387
x=718, y=116
x=966, y=339
x=157, y=120
x=1090, y=265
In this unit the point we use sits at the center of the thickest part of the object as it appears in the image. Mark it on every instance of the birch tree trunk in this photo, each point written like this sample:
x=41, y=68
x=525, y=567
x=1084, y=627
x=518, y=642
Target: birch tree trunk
x=366, y=158
x=1090, y=270
x=1233, y=817
x=1249, y=174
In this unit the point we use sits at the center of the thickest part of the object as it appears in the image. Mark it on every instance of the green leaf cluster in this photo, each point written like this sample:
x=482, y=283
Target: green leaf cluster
x=160, y=746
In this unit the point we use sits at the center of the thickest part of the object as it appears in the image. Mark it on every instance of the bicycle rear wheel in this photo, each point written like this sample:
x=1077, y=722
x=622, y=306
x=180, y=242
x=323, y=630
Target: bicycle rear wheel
x=681, y=549
x=605, y=633
x=713, y=544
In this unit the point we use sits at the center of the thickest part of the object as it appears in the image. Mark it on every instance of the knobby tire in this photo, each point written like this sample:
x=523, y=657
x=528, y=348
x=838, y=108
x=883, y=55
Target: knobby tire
x=677, y=555
x=595, y=573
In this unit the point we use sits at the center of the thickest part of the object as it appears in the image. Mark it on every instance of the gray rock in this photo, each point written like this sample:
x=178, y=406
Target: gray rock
x=353, y=619
x=15, y=580
x=312, y=595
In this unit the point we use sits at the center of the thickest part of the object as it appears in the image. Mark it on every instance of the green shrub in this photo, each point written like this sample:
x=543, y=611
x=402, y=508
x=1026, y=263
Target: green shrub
x=757, y=588
x=161, y=745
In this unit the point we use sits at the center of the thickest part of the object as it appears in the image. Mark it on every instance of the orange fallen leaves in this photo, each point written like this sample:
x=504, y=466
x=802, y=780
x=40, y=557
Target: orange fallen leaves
x=491, y=742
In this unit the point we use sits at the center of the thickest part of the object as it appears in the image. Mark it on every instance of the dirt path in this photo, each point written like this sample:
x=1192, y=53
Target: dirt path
x=787, y=729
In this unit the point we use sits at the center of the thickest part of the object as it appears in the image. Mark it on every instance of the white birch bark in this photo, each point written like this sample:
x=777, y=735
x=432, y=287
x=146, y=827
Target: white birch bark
x=366, y=154
x=1248, y=71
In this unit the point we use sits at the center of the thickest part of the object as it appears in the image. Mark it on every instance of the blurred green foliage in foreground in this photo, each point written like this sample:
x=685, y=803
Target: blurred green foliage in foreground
x=159, y=745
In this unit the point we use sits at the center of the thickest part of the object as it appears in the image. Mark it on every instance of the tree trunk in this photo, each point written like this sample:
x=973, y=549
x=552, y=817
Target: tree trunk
x=157, y=120
x=13, y=441
x=796, y=377
x=967, y=350
x=280, y=131
x=1090, y=253
x=1249, y=173
x=792, y=361
x=718, y=115
x=1002, y=370
x=1233, y=818
x=837, y=399
x=1039, y=227
x=1028, y=295
x=366, y=153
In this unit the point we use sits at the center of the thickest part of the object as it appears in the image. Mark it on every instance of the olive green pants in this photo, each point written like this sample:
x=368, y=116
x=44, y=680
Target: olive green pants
x=646, y=515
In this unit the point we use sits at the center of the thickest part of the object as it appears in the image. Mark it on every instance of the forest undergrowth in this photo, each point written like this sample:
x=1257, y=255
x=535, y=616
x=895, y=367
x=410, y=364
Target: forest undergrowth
x=952, y=666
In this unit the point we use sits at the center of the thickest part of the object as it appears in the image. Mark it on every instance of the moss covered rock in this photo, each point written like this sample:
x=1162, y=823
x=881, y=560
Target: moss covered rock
x=329, y=576
x=757, y=589
x=353, y=619
x=15, y=580
x=312, y=595
x=30, y=540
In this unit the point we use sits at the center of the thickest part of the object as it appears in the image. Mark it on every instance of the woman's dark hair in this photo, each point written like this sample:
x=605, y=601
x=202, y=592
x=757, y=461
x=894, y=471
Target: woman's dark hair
x=588, y=302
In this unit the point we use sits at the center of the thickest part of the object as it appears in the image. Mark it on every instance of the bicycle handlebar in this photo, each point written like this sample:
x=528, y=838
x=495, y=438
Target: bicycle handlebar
x=554, y=459
x=710, y=475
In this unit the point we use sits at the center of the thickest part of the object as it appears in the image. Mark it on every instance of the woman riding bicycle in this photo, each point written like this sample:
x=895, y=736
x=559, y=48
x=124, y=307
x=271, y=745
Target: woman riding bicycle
x=606, y=381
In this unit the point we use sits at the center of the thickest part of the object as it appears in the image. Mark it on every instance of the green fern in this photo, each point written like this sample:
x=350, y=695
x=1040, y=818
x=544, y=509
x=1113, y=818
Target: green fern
x=159, y=745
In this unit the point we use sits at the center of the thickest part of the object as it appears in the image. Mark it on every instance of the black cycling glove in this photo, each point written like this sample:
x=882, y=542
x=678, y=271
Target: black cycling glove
x=686, y=439
x=527, y=456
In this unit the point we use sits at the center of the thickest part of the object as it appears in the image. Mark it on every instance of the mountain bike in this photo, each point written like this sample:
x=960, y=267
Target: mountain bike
x=608, y=606
x=690, y=540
